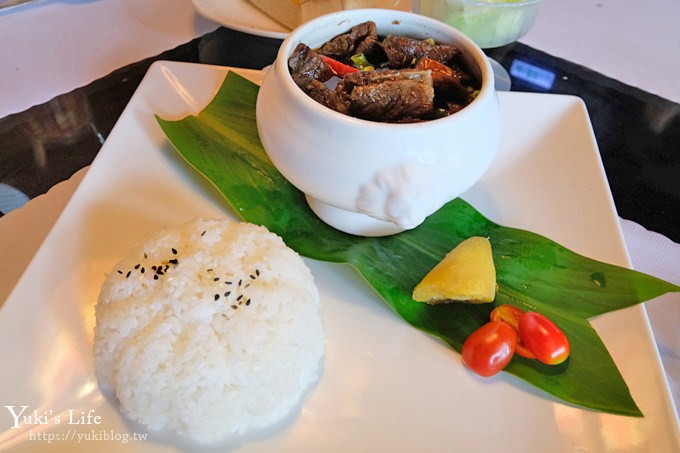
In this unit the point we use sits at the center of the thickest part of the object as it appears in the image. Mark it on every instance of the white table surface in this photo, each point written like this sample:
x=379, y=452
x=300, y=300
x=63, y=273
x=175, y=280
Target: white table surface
x=51, y=47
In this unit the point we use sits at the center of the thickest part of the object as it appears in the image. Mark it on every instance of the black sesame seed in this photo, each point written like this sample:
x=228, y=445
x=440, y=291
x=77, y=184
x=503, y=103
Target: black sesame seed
x=216, y=279
x=142, y=270
x=154, y=267
x=240, y=282
x=145, y=256
x=120, y=272
x=209, y=270
x=155, y=277
x=227, y=294
x=174, y=251
x=234, y=307
x=174, y=261
x=257, y=272
x=217, y=297
x=128, y=274
x=240, y=296
x=137, y=266
x=228, y=283
x=203, y=233
x=252, y=276
x=248, y=301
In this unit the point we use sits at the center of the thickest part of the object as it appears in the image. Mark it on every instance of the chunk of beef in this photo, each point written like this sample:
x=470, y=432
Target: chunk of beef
x=402, y=51
x=305, y=65
x=362, y=38
x=372, y=49
x=370, y=77
x=309, y=72
x=335, y=100
x=390, y=96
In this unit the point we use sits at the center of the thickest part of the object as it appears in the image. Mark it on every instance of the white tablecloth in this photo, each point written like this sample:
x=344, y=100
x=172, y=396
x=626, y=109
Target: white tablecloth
x=52, y=47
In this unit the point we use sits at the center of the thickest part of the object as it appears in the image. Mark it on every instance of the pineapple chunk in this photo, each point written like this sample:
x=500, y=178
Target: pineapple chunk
x=466, y=274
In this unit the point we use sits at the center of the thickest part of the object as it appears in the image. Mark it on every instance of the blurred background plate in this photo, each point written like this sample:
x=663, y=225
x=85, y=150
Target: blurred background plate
x=242, y=16
x=10, y=3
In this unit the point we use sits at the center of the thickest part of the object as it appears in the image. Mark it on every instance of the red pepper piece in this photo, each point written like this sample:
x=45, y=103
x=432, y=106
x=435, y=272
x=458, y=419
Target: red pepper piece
x=339, y=69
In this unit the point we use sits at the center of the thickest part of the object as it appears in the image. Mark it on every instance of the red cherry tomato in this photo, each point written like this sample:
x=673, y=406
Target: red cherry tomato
x=510, y=314
x=543, y=338
x=489, y=349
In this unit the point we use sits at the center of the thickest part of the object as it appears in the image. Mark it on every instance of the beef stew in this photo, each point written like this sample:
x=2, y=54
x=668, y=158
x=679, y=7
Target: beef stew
x=394, y=79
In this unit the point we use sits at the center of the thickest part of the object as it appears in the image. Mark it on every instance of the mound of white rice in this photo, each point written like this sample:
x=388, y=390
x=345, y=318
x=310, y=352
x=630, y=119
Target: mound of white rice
x=211, y=329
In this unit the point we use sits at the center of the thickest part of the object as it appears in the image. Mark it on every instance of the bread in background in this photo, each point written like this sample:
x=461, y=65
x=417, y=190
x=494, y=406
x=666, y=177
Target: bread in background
x=292, y=13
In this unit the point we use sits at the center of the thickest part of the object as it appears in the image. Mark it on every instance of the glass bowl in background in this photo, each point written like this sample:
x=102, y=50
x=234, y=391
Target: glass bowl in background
x=489, y=23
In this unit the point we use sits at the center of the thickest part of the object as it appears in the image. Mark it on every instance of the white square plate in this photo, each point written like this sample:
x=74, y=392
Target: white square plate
x=386, y=387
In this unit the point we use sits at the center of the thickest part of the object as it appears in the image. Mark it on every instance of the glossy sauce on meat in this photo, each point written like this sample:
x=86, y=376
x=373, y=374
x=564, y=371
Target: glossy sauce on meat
x=393, y=79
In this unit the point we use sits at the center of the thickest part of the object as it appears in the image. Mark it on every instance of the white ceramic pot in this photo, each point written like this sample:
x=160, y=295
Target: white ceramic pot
x=369, y=178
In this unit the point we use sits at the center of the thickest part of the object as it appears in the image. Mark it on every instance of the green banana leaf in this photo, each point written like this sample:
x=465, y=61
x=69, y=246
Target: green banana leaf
x=533, y=272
